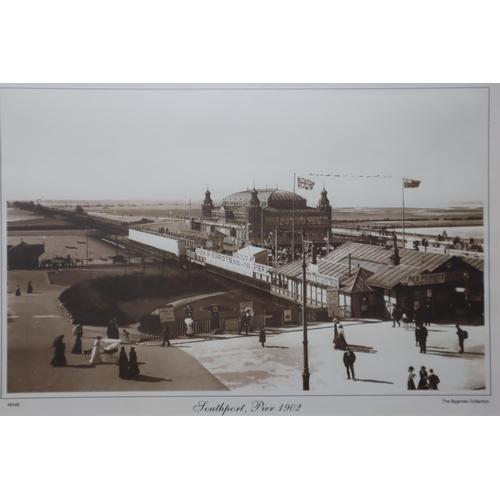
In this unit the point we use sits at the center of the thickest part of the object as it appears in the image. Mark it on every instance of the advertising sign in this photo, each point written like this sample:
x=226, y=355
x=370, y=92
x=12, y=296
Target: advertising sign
x=427, y=279
x=167, y=314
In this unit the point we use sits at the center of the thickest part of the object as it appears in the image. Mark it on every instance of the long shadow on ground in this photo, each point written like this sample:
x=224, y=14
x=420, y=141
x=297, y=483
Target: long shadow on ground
x=147, y=378
x=374, y=381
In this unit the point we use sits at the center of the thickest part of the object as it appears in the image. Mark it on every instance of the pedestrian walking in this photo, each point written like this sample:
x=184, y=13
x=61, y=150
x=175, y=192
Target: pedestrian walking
x=417, y=336
x=29, y=288
x=112, y=331
x=411, y=376
x=349, y=359
x=166, y=336
x=433, y=381
x=18, y=291
x=78, y=333
x=462, y=335
x=189, y=322
x=341, y=343
x=123, y=364
x=95, y=357
x=262, y=336
x=133, y=367
x=245, y=321
x=59, y=346
x=422, y=339
x=422, y=383
x=395, y=317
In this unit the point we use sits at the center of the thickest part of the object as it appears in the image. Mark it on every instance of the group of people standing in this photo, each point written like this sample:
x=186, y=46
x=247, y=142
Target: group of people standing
x=59, y=358
x=340, y=343
x=128, y=366
x=29, y=289
x=428, y=381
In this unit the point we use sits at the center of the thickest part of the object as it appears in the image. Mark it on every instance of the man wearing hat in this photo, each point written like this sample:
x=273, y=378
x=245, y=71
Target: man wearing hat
x=349, y=359
x=433, y=380
x=461, y=338
x=422, y=384
x=422, y=338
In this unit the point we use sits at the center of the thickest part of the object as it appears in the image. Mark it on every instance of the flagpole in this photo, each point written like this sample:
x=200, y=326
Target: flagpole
x=403, y=184
x=293, y=220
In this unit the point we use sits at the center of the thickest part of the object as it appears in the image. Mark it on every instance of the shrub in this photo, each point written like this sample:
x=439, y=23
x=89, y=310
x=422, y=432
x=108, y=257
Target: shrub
x=96, y=300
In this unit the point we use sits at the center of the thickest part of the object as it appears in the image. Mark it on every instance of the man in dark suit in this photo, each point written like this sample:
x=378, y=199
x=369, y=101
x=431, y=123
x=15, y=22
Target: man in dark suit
x=422, y=338
x=349, y=359
x=433, y=380
x=461, y=338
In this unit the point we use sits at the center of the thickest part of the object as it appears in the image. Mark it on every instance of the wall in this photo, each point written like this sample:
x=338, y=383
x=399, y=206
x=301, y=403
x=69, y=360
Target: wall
x=162, y=242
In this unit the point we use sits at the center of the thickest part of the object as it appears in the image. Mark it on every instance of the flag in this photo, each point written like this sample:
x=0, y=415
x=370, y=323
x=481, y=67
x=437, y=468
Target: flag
x=410, y=183
x=304, y=183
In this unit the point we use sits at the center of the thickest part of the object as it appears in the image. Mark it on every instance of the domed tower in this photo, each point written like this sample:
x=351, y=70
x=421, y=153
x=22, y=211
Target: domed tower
x=324, y=205
x=324, y=202
x=207, y=206
x=254, y=207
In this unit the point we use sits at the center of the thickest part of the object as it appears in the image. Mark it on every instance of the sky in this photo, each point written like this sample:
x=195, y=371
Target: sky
x=171, y=144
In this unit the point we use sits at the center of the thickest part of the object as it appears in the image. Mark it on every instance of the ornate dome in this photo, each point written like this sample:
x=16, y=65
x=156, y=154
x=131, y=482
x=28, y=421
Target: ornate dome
x=272, y=197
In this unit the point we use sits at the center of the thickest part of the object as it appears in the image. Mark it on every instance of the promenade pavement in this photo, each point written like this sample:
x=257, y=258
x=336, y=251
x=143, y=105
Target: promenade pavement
x=34, y=320
x=237, y=362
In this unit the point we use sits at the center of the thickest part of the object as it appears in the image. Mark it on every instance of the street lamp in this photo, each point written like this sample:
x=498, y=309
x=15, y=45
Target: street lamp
x=305, y=373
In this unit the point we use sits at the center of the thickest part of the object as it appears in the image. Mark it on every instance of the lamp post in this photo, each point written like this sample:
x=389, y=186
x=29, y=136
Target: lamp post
x=305, y=373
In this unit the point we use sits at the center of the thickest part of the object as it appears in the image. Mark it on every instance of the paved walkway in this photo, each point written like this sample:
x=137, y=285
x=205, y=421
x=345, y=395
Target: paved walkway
x=35, y=320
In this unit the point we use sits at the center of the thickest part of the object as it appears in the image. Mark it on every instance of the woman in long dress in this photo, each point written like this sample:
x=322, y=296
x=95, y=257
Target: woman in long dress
x=59, y=346
x=133, y=367
x=123, y=364
x=411, y=376
x=189, y=326
x=95, y=358
x=422, y=384
x=78, y=333
x=341, y=343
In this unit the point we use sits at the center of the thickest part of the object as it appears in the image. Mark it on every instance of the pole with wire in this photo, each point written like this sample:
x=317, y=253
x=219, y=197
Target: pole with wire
x=305, y=373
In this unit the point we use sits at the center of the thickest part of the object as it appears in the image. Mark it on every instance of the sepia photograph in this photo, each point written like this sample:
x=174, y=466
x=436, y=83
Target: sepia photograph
x=247, y=249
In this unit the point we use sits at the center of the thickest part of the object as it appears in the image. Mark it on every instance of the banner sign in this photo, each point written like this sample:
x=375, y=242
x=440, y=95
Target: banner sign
x=427, y=279
x=167, y=314
x=321, y=279
x=242, y=264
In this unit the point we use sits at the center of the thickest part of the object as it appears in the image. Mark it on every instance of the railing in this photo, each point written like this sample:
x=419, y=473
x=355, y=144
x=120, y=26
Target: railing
x=207, y=325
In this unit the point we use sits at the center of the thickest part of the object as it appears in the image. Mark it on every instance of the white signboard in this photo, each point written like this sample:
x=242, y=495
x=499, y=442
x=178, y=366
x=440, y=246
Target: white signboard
x=321, y=279
x=241, y=264
x=167, y=314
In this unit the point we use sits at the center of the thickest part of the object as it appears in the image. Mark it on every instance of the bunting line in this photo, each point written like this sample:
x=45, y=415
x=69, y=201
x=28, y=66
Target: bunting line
x=338, y=175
